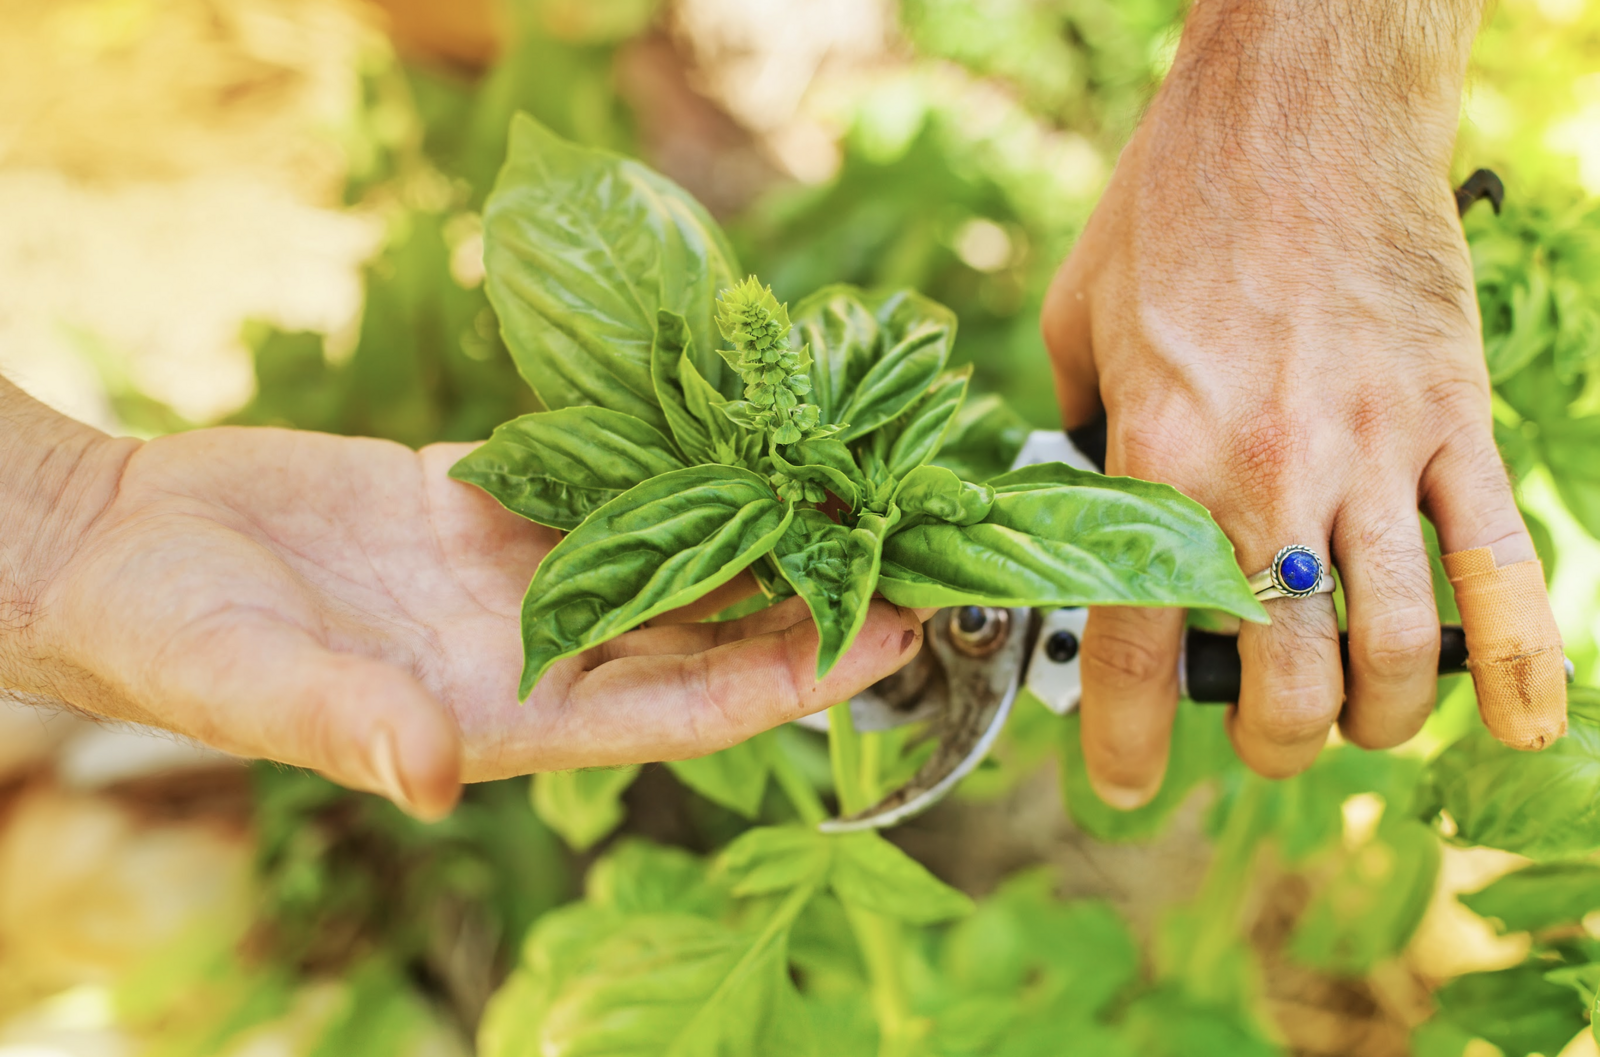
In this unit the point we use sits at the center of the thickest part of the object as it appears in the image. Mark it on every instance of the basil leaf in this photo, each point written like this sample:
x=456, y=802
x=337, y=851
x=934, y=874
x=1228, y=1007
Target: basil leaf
x=914, y=341
x=819, y=473
x=924, y=426
x=635, y=876
x=736, y=777
x=659, y=545
x=1532, y=326
x=871, y=874
x=692, y=405
x=677, y=985
x=1057, y=536
x=842, y=333
x=1539, y=896
x=558, y=467
x=581, y=248
x=983, y=439
x=1516, y=1009
x=1545, y=805
x=835, y=569
x=771, y=859
x=582, y=806
x=939, y=493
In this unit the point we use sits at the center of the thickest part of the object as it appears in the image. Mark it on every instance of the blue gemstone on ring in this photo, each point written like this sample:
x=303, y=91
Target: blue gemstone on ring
x=1299, y=570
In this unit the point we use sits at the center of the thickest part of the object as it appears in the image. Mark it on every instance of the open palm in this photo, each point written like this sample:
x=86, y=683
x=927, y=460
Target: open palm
x=341, y=604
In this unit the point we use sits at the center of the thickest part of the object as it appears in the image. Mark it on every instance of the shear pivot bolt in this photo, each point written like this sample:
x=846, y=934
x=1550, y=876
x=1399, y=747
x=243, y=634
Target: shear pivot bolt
x=978, y=630
x=1061, y=647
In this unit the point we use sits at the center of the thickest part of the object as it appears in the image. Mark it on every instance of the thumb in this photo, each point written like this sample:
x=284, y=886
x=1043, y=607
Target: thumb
x=1064, y=323
x=257, y=686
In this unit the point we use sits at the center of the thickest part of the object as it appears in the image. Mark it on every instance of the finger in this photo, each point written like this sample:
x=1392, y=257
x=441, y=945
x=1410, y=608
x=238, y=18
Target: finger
x=1518, y=667
x=1130, y=693
x=1291, y=682
x=641, y=707
x=258, y=687
x=1394, y=623
x=1064, y=322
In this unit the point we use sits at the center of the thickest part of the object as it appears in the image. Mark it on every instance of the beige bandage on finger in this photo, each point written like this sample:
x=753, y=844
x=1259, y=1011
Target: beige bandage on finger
x=1513, y=647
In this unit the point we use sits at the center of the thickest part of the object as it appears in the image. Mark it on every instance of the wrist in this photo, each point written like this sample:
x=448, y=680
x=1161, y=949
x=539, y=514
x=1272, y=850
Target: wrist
x=56, y=476
x=1362, y=93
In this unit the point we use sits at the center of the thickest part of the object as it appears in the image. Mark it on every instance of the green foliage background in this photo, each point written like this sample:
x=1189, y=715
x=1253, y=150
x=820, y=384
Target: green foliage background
x=734, y=929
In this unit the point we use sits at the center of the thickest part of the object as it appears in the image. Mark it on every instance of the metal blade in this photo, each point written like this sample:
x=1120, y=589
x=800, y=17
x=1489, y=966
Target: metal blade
x=979, y=654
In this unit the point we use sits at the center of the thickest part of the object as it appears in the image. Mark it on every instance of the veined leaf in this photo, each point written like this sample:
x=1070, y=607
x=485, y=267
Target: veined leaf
x=657, y=546
x=771, y=859
x=924, y=426
x=835, y=569
x=736, y=777
x=873, y=354
x=1516, y=1009
x=872, y=874
x=582, y=806
x=660, y=985
x=582, y=247
x=1545, y=805
x=914, y=340
x=939, y=493
x=983, y=439
x=1057, y=536
x=558, y=467
x=1539, y=896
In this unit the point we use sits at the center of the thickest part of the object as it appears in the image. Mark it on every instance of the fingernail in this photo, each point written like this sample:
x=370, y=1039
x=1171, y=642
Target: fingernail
x=907, y=639
x=385, y=761
x=1123, y=797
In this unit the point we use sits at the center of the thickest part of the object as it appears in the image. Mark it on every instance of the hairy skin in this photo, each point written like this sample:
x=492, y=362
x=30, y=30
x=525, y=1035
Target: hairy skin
x=1273, y=306
x=341, y=604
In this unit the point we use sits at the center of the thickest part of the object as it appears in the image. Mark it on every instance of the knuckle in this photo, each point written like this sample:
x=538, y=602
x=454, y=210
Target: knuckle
x=1295, y=720
x=1397, y=644
x=1117, y=659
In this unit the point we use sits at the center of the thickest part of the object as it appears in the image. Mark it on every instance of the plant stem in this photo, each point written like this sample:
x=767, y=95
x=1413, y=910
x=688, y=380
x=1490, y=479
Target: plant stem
x=879, y=937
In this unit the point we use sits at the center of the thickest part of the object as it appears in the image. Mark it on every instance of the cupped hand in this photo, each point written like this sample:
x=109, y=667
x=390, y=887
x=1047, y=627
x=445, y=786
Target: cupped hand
x=1273, y=306
x=341, y=604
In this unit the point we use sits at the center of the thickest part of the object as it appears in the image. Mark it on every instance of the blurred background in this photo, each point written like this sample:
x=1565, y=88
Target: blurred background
x=266, y=212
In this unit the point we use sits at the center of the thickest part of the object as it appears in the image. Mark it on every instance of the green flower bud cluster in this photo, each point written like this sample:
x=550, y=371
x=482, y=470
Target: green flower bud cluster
x=794, y=490
x=775, y=377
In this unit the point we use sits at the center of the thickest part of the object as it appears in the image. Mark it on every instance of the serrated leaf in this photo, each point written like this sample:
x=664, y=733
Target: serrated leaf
x=657, y=546
x=558, y=467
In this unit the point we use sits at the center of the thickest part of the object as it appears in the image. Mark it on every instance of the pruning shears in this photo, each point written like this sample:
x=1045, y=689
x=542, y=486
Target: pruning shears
x=975, y=659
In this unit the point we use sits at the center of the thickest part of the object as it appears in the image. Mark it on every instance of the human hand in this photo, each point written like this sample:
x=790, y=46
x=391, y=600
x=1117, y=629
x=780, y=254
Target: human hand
x=1273, y=304
x=341, y=604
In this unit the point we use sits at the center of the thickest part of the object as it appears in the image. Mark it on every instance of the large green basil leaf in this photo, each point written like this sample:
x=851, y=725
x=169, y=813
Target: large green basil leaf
x=1545, y=805
x=582, y=247
x=918, y=434
x=1539, y=896
x=983, y=439
x=939, y=493
x=657, y=546
x=583, y=806
x=558, y=467
x=658, y=985
x=873, y=354
x=835, y=569
x=1057, y=536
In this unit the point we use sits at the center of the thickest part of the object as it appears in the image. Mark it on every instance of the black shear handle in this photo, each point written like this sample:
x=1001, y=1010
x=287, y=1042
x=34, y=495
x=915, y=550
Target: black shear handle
x=1211, y=662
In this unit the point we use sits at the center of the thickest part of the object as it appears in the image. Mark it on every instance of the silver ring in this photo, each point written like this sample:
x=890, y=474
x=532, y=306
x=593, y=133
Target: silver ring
x=1291, y=575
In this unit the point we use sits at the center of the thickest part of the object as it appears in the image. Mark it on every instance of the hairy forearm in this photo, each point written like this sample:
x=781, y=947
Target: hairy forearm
x=56, y=475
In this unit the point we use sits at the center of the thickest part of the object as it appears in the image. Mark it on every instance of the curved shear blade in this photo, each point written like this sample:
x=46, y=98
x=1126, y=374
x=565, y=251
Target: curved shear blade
x=978, y=692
